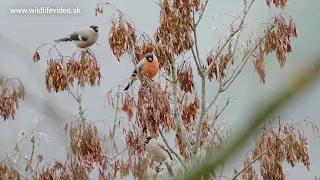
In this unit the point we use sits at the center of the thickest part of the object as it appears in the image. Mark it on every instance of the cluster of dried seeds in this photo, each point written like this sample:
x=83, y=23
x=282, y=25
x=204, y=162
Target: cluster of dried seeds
x=173, y=37
x=11, y=91
x=276, y=145
x=277, y=38
x=277, y=3
x=223, y=62
x=60, y=75
x=9, y=171
x=189, y=112
x=153, y=109
x=118, y=37
x=185, y=77
x=86, y=144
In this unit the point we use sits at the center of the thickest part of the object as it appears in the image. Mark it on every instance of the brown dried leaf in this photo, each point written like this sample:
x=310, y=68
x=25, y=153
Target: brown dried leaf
x=260, y=66
x=36, y=57
x=185, y=77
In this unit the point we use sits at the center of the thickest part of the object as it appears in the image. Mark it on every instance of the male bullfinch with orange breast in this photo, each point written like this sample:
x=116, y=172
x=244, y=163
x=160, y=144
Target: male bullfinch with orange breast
x=148, y=66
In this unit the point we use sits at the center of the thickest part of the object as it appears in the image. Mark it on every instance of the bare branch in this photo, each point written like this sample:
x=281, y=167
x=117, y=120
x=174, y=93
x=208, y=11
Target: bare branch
x=78, y=98
x=201, y=14
x=116, y=113
x=237, y=71
x=203, y=108
x=244, y=60
x=177, y=112
x=33, y=141
x=196, y=61
x=246, y=10
x=249, y=164
x=171, y=150
x=221, y=171
x=203, y=80
x=132, y=51
x=202, y=115
x=196, y=58
x=227, y=103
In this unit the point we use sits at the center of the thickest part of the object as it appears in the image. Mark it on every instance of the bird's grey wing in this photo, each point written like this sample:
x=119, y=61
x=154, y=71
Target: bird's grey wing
x=139, y=66
x=167, y=150
x=76, y=36
x=134, y=74
x=83, y=35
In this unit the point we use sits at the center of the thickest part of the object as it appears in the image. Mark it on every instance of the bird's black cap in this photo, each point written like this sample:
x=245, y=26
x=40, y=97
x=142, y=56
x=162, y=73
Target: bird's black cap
x=149, y=57
x=146, y=141
x=95, y=28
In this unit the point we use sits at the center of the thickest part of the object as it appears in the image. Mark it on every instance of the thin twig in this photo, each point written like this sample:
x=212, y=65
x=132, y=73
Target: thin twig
x=132, y=51
x=221, y=171
x=33, y=141
x=244, y=60
x=171, y=150
x=203, y=80
x=201, y=14
x=116, y=113
x=227, y=103
x=235, y=73
x=197, y=58
x=202, y=115
x=203, y=75
x=230, y=37
x=215, y=117
x=113, y=158
x=177, y=111
x=300, y=84
x=78, y=98
x=254, y=160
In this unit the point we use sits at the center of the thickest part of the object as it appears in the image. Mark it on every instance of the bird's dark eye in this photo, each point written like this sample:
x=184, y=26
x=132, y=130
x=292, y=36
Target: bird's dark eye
x=149, y=59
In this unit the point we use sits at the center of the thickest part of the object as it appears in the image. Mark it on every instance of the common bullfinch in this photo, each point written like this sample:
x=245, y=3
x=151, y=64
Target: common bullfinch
x=160, y=153
x=82, y=38
x=148, y=66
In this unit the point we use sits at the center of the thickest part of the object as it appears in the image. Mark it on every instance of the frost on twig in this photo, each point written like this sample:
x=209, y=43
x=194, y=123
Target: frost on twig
x=34, y=136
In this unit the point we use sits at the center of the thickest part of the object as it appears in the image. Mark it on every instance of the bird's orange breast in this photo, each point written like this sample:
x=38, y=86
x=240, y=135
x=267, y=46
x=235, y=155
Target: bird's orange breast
x=151, y=69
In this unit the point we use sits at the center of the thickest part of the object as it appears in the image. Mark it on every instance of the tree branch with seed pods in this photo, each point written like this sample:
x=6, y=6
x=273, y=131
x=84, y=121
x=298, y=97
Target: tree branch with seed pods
x=172, y=39
x=170, y=104
x=309, y=75
x=204, y=73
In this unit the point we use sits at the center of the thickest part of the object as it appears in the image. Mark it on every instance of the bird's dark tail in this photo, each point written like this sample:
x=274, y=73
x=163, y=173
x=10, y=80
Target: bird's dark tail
x=133, y=78
x=131, y=82
x=169, y=169
x=63, y=40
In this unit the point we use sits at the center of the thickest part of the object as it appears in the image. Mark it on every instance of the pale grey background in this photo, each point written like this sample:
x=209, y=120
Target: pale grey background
x=29, y=31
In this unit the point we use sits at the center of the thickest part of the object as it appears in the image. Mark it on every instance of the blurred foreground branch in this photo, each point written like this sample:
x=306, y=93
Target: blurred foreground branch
x=307, y=77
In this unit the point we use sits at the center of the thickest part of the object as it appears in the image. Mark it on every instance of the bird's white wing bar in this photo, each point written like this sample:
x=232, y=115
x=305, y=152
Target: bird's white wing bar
x=83, y=34
x=75, y=36
x=78, y=36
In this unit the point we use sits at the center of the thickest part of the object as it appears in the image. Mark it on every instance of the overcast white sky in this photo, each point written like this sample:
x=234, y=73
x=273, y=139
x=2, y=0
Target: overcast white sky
x=31, y=30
